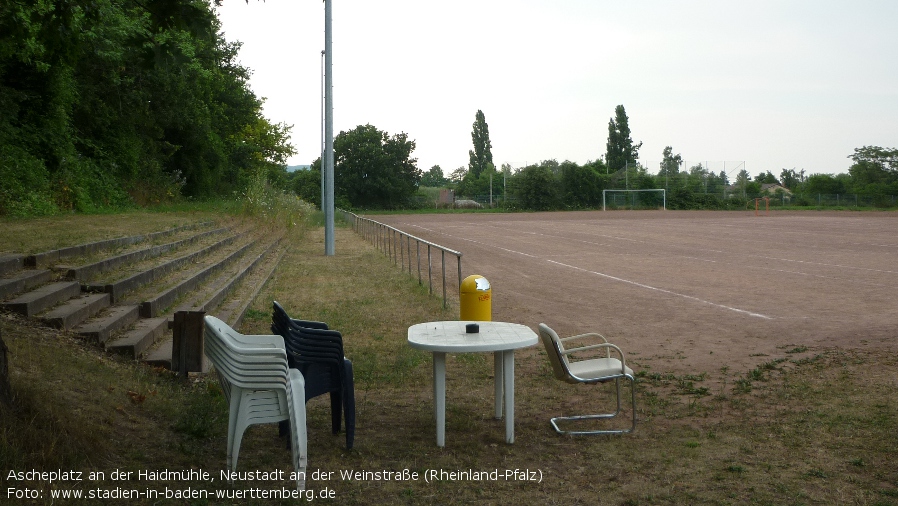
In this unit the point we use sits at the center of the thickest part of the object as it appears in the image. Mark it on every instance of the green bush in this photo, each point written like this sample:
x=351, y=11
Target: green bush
x=26, y=188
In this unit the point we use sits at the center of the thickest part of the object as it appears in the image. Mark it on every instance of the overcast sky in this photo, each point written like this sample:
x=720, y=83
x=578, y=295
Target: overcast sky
x=771, y=83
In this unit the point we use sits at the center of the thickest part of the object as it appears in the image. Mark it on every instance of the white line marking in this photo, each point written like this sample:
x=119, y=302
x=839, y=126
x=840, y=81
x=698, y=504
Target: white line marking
x=749, y=313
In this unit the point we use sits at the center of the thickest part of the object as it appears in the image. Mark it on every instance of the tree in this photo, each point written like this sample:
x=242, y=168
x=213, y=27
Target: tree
x=434, y=178
x=536, y=187
x=373, y=169
x=766, y=178
x=620, y=150
x=458, y=175
x=791, y=179
x=670, y=166
x=826, y=184
x=874, y=169
x=481, y=157
x=106, y=102
x=306, y=184
x=743, y=179
x=582, y=185
x=697, y=179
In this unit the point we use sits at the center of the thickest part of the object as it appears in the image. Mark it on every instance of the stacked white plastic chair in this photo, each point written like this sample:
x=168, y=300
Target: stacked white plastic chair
x=259, y=386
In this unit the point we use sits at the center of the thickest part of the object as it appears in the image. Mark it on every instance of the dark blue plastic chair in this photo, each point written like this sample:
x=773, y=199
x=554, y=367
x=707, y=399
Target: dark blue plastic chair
x=317, y=353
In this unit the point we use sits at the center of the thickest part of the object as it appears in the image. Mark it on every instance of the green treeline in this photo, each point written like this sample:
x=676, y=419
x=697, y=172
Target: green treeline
x=550, y=185
x=112, y=103
x=567, y=185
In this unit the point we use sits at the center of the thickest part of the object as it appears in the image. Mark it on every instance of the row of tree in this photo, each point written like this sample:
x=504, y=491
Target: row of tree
x=553, y=185
x=376, y=170
x=111, y=102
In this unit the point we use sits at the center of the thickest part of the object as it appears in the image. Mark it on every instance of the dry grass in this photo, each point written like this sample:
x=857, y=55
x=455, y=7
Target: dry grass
x=819, y=430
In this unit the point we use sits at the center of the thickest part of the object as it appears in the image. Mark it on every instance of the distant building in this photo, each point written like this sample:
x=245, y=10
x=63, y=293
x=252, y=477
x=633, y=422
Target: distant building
x=447, y=196
x=772, y=188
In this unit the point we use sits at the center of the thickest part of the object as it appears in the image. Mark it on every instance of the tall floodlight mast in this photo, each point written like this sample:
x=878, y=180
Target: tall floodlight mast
x=328, y=132
x=321, y=159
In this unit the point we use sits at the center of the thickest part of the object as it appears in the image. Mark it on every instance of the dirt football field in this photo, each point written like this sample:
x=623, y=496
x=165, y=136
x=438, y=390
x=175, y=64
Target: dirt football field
x=686, y=291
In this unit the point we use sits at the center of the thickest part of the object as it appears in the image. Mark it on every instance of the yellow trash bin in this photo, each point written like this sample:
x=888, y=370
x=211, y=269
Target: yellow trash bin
x=475, y=297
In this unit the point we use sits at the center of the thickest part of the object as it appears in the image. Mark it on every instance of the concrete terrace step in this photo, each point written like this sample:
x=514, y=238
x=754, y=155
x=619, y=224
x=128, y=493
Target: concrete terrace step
x=49, y=257
x=41, y=299
x=119, y=288
x=152, y=308
x=74, y=311
x=233, y=312
x=107, y=323
x=141, y=337
x=224, y=288
x=218, y=289
x=11, y=263
x=24, y=280
x=160, y=356
x=87, y=271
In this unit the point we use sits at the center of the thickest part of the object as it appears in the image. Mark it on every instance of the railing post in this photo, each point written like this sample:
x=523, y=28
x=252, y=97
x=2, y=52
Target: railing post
x=443, y=258
x=458, y=257
x=418, y=254
x=429, y=270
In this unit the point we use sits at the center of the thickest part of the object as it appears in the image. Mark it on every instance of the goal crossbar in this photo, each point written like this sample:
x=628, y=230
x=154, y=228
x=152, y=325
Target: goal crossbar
x=662, y=190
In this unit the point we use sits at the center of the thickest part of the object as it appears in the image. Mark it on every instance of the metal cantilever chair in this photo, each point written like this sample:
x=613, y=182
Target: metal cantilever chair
x=317, y=353
x=259, y=386
x=593, y=370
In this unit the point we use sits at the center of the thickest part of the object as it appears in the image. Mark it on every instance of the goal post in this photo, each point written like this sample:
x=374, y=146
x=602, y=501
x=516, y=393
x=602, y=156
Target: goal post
x=629, y=198
x=762, y=208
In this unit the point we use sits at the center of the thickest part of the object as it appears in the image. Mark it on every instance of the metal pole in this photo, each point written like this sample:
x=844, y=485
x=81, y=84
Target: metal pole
x=321, y=160
x=443, y=261
x=329, y=129
x=429, y=270
x=458, y=258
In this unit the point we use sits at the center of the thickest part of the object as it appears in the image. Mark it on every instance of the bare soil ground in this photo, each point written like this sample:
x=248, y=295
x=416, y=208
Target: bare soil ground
x=686, y=292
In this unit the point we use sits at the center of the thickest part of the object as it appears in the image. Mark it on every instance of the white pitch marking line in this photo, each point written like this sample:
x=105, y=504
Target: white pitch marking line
x=749, y=313
x=478, y=242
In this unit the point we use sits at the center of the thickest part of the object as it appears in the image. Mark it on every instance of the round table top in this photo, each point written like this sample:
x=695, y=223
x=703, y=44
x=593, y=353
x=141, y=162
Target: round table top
x=450, y=336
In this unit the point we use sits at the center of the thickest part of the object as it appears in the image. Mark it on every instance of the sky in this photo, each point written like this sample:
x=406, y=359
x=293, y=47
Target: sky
x=761, y=85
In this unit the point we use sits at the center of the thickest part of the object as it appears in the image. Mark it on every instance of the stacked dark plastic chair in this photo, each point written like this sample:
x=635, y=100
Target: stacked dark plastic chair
x=317, y=352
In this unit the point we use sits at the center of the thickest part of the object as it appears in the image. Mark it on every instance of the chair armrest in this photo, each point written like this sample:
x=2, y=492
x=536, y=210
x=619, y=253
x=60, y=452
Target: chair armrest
x=309, y=324
x=608, y=347
x=580, y=336
x=260, y=341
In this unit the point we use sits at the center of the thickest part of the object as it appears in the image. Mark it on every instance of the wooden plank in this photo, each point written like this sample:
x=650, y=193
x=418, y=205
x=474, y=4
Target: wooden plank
x=187, y=342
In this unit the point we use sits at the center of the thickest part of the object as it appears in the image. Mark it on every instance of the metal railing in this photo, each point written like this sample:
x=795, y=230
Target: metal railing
x=398, y=246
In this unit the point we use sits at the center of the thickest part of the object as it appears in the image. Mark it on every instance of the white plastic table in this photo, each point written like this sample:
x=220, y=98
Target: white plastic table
x=450, y=337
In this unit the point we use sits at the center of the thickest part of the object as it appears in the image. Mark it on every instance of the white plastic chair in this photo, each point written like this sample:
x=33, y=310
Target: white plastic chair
x=260, y=388
x=593, y=370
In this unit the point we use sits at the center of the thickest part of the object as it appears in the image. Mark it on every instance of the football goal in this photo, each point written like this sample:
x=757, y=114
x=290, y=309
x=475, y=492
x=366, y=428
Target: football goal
x=634, y=199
